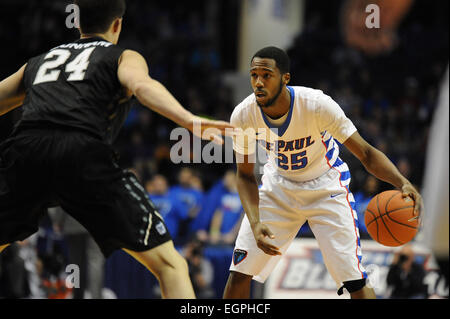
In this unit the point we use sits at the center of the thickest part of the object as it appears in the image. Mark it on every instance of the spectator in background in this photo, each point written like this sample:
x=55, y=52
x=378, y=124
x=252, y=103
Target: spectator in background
x=362, y=199
x=228, y=212
x=220, y=217
x=188, y=198
x=158, y=191
x=406, y=276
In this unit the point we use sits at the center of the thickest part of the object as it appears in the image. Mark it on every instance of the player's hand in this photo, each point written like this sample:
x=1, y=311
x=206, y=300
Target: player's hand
x=261, y=232
x=211, y=130
x=408, y=190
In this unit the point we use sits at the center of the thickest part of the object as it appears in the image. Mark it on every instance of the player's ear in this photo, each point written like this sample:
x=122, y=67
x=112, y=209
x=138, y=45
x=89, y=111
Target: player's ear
x=286, y=78
x=117, y=25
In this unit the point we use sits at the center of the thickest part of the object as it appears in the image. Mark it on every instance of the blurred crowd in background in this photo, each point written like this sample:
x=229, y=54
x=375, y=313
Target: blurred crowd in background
x=189, y=45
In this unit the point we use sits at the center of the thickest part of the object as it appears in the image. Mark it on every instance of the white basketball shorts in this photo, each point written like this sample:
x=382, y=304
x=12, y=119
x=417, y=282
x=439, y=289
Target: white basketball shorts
x=284, y=206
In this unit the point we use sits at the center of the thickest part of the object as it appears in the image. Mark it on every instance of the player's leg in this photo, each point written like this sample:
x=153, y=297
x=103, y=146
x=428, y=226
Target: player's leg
x=238, y=286
x=169, y=267
x=335, y=227
x=249, y=261
x=364, y=293
x=342, y=257
x=112, y=205
x=23, y=188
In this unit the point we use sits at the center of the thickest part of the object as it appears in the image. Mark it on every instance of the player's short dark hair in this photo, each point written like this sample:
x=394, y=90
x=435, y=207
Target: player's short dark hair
x=96, y=16
x=280, y=56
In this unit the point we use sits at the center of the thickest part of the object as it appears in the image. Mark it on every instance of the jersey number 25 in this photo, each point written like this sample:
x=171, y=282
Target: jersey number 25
x=298, y=161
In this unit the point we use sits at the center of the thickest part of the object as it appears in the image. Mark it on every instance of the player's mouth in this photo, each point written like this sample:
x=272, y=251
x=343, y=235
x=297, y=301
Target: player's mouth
x=260, y=95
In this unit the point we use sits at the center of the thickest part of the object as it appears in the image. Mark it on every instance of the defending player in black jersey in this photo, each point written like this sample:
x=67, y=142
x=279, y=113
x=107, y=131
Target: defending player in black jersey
x=74, y=101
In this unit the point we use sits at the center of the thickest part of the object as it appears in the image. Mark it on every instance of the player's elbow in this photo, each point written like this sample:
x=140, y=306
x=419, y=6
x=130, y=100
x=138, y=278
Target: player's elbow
x=369, y=157
x=139, y=87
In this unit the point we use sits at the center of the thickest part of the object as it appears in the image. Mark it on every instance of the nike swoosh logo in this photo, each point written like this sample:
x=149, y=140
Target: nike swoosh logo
x=333, y=196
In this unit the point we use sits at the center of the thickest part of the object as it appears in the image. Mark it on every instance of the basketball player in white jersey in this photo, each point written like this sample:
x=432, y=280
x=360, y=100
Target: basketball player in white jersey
x=303, y=180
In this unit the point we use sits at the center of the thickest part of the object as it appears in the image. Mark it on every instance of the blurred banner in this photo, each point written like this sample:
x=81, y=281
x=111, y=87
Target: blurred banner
x=265, y=23
x=301, y=273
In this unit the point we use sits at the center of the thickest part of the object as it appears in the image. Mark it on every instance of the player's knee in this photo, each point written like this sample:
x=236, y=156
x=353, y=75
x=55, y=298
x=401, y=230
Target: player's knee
x=352, y=286
x=173, y=263
x=181, y=263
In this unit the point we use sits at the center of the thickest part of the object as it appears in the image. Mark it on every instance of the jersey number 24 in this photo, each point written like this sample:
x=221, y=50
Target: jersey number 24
x=77, y=68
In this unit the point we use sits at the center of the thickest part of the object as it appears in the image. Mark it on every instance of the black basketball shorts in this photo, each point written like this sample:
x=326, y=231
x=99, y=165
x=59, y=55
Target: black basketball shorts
x=45, y=168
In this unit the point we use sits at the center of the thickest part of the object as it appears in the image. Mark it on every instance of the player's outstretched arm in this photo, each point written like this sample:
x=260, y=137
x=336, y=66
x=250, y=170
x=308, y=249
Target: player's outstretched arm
x=12, y=92
x=379, y=165
x=249, y=195
x=133, y=74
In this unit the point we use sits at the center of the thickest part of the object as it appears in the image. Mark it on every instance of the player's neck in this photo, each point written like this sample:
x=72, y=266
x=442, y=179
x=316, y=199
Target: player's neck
x=280, y=107
x=105, y=36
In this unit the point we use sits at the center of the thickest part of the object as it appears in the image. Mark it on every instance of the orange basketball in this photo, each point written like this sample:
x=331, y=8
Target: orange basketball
x=386, y=218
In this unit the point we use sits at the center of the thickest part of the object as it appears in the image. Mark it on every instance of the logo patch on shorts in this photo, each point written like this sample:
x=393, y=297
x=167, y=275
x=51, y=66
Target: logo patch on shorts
x=238, y=256
x=161, y=228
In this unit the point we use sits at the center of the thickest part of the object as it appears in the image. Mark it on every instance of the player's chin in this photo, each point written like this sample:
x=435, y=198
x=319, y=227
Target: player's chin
x=262, y=101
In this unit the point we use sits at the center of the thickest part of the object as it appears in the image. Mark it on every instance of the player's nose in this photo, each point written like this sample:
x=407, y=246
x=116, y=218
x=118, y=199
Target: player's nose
x=259, y=83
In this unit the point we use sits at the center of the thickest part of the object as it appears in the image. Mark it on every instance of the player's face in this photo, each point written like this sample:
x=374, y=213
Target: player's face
x=267, y=81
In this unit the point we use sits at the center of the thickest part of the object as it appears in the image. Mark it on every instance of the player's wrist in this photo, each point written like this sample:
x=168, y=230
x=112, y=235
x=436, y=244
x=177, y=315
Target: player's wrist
x=407, y=187
x=401, y=182
x=191, y=120
x=254, y=224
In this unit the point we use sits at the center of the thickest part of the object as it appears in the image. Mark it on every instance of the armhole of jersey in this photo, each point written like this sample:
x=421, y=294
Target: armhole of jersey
x=116, y=54
x=119, y=60
x=128, y=94
x=26, y=72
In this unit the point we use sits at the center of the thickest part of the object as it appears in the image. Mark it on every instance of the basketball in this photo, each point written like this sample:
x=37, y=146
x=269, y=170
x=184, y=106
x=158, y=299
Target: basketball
x=386, y=218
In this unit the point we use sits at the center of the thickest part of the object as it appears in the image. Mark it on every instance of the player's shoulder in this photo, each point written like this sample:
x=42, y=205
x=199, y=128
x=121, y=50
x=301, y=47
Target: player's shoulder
x=307, y=93
x=243, y=110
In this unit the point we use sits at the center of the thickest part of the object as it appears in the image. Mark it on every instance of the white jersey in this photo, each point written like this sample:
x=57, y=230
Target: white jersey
x=303, y=147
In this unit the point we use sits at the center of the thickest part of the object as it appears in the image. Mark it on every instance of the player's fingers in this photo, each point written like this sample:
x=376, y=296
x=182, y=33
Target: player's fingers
x=268, y=233
x=417, y=209
x=268, y=248
x=273, y=251
x=408, y=197
x=271, y=247
x=220, y=125
x=406, y=193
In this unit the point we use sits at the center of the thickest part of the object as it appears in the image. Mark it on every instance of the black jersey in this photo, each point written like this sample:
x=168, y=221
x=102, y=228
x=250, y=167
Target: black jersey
x=75, y=85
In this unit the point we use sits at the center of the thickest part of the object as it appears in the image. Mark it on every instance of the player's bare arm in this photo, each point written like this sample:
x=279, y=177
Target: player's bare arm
x=12, y=92
x=133, y=75
x=248, y=192
x=379, y=165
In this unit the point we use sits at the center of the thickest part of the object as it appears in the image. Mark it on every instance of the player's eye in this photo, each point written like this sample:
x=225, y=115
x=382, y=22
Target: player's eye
x=267, y=75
